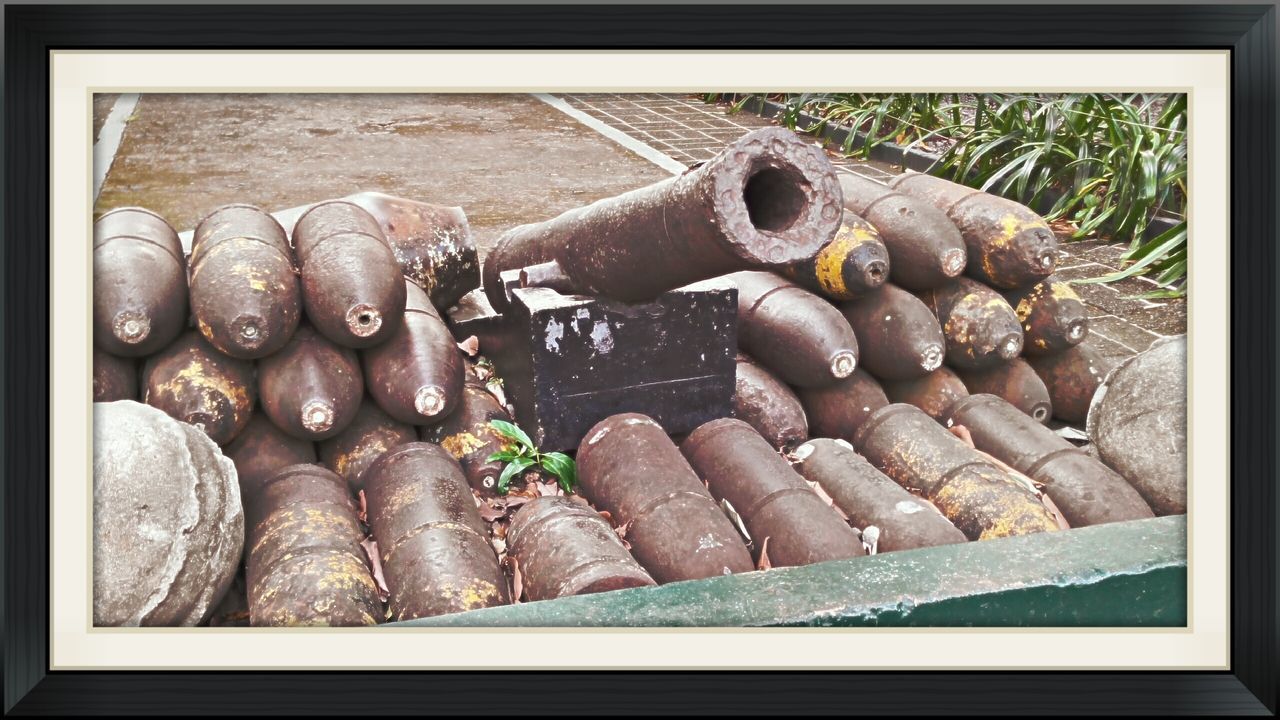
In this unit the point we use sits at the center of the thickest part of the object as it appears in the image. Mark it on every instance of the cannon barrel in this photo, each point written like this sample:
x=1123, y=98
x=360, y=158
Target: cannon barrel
x=768, y=199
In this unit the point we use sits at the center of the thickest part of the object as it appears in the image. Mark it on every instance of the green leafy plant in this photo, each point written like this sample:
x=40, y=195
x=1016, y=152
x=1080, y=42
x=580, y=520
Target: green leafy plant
x=521, y=455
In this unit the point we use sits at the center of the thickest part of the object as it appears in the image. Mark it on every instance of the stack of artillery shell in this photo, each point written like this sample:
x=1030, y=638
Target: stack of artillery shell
x=629, y=467
x=765, y=403
x=416, y=376
x=1016, y=383
x=139, y=283
x=306, y=566
x=311, y=389
x=870, y=498
x=981, y=329
x=976, y=496
x=1053, y=317
x=925, y=248
x=797, y=335
x=352, y=288
x=900, y=337
x=468, y=436
x=1086, y=491
x=435, y=548
x=853, y=264
x=768, y=199
x=1072, y=378
x=564, y=548
x=360, y=444
x=774, y=502
x=244, y=290
x=194, y=383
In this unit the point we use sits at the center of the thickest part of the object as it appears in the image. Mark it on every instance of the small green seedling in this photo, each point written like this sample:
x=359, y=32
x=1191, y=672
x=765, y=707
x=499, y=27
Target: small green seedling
x=521, y=455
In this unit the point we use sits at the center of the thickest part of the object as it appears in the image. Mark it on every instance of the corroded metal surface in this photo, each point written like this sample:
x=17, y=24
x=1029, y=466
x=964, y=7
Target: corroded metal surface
x=770, y=198
x=1138, y=422
x=1072, y=378
x=370, y=434
x=799, y=336
x=977, y=497
x=870, y=498
x=306, y=566
x=854, y=263
x=1014, y=382
x=139, y=283
x=1010, y=246
x=765, y=403
x=194, y=383
x=114, y=378
x=933, y=393
x=467, y=435
x=839, y=410
x=244, y=289
x=899, y=336
x=1117, y=575
x=565, y=548
x=628, y=466
x=775, y=503
x=261, y=450
x=1086, y=491
x=982, y=330
x=925, y=248
x=416, y=376
x=432, y=243
x=311, y=389
x=352, y=288
x=435, y=548
x=1053, y=317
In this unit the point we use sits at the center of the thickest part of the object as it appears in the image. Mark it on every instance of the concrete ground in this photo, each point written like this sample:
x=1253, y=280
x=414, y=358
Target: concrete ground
x=507, y=159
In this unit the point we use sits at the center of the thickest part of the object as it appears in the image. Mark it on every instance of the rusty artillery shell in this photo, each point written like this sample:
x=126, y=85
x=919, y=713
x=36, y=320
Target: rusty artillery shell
x=870, y=498
x=306, y=566
x=370, y=434
x=853, y=264
x=628, y=466
x=766, y=403
x=1010, y=246
x=467, y=435
x=1014, y=382
x=416, y=376
x=773, y=501
x=244, y=290
x=352, y=288
x=139, y=283
x=1086, y=491
x=770, y=198
x=900, y=337
x=432, y=243
x=981, y=500
x=838, y=411
x=565, y=548
x=435, y=548
x=925, y=247
x=799, y=336
x=194, y=383
x=1072, y=378
x=311, y=389
x=982, y=330
x=1053, y=317
x=933, y=393
x=114, y=378
x=261, y=450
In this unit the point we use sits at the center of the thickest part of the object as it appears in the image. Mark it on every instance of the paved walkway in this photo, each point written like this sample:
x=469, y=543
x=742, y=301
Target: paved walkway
x=690, y=131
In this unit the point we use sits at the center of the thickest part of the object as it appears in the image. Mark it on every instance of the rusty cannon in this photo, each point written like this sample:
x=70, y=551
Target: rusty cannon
x=768, y=199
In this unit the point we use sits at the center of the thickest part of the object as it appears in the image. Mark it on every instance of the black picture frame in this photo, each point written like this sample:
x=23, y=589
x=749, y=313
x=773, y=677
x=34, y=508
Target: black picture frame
x=31, y=31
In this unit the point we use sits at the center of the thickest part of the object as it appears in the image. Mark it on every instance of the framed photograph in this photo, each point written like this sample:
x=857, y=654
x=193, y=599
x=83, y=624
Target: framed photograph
x=643, y=358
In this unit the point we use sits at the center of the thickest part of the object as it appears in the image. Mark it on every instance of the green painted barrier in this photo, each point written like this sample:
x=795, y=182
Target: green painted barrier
x=1122, y=574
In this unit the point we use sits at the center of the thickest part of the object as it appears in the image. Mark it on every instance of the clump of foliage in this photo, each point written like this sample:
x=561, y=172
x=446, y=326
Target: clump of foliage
x=521, y=455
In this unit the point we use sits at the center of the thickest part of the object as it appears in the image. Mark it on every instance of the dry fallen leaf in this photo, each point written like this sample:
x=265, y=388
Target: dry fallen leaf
x=470, y=346
x=493, y=510
x=622, y=529
x=517, y=580
x=764, y=563
x=375, y=565
x=364, y=508
x=827, y=499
